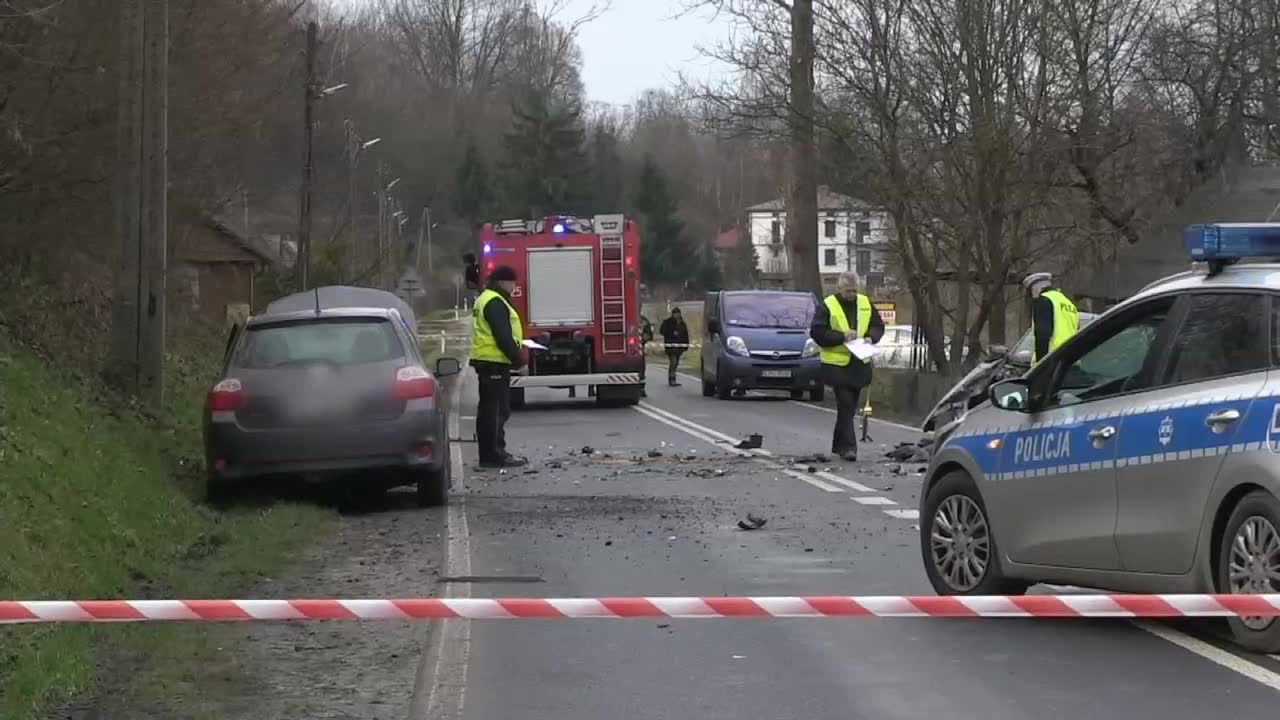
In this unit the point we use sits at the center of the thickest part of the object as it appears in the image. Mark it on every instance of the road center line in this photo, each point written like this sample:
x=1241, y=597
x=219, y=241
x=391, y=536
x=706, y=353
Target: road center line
x=644, y=409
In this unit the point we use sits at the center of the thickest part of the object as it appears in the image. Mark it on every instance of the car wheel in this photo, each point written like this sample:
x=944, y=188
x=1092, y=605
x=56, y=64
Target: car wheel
x=797, y=394
x=517, y=398
x=708, y=387
x=433, y=485
x=1249, y=563
x=723, y=388
x=818, y=395
x=960, y=555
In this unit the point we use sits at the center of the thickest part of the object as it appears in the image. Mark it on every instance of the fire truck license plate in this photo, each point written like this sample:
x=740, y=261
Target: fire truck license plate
x=775, y=373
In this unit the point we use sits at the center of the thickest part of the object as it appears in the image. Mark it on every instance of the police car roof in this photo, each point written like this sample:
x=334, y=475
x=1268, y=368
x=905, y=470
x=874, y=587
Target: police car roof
x=1260, y=275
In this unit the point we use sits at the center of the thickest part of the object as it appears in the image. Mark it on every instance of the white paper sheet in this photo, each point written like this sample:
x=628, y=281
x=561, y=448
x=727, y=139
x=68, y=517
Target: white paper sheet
x=533, y=345
x=862, y=349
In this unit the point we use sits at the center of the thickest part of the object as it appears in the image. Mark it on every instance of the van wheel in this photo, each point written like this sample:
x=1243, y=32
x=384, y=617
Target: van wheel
x=818, y=394
x=1249, y=563
x=723, y=388
x=960, y=554
x=797, y=394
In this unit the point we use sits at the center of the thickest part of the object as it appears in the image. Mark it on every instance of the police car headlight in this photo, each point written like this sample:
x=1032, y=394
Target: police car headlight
x=736, y=345
x=810, y=348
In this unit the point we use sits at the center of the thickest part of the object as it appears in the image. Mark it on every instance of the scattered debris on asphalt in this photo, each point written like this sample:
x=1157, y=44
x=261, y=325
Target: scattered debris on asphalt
x=663, y=626
x=588, y=450
x=754, y=441
x=555, y=465
x=909, y=452
x=707, y=472
x=655, y=453
x=812, y=469
x=751, y=523
x=817, y=458
x=531, y=472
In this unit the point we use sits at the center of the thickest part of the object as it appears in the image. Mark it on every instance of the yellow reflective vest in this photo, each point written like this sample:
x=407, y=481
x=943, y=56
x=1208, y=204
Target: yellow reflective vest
x=840, y=355
x=1066, y=321
x=483, y=345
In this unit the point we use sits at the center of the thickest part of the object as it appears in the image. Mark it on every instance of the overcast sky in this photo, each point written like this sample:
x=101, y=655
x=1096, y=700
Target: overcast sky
x=641, y=44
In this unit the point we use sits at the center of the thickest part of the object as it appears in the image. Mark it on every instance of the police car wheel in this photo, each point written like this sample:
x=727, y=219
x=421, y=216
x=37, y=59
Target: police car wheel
x=960, y=555
x=1249, y=563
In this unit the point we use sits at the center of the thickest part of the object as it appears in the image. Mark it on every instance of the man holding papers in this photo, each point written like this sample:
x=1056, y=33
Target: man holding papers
x=496, y=340
x=846, y=328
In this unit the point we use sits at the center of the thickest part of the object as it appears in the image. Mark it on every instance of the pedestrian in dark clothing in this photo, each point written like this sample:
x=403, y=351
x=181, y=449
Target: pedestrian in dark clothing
x=646, y=337
x=844, y=316
x=495, y=353
x=675, y=336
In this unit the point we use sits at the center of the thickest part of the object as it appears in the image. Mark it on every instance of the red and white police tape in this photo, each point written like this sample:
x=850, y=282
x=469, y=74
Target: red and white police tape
x=898, y=606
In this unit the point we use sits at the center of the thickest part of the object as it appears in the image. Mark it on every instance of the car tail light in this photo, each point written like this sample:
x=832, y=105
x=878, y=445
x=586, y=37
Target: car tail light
x=227, y=396
x=413, y=382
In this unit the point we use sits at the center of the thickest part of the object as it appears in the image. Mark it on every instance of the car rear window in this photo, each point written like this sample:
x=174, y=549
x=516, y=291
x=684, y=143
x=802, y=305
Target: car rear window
x=768, y=310
x=342, y=341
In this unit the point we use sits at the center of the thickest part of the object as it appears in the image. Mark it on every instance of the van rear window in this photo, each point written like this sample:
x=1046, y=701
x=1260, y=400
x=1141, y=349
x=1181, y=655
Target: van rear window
x=768, y=310
x=337, y=341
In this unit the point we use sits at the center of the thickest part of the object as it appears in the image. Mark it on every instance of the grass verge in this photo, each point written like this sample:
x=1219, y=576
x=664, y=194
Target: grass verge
x=101, y=500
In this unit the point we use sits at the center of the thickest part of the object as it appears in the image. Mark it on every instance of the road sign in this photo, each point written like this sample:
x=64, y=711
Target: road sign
x=888, y=312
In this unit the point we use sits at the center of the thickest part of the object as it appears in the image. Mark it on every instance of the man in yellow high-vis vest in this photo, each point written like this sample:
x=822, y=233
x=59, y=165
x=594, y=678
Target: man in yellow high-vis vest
x=1054, y=318
x=495, y=351
x=843, y=316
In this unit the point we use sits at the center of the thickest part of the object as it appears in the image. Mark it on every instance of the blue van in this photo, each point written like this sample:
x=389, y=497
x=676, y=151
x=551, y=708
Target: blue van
x=759, y=340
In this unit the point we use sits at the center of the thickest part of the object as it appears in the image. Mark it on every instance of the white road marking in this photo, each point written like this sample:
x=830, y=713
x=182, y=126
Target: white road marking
x=873, y=500
x=904, y=514
x=851, y=484
x=714, y=433
x=644, y=409
x=1214, y=654
x=448, y=655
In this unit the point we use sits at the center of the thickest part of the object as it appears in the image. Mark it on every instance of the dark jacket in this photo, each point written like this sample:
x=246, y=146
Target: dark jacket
x=675, y=332
x=1042, y=321
x=856, y=373
x=473, y=276
x=499, y=320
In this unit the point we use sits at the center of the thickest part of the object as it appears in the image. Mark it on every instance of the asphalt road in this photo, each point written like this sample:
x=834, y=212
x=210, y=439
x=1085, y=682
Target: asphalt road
x=618, y=522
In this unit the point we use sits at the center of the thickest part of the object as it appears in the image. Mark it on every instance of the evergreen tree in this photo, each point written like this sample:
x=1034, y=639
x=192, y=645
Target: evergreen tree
x=474, y=197
x=664, y=256
x=743, y=263
x=606, y=171
x=546, y=170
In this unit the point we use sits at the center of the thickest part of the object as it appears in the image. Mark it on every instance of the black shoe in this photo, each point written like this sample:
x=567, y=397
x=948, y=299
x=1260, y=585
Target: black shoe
x=849, y=456
x=510, y=461
x=673, y=383
x=644, y=393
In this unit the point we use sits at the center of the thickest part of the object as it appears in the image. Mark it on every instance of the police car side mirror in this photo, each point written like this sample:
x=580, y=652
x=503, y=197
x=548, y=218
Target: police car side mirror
x=1011, y=395
x=447, y=366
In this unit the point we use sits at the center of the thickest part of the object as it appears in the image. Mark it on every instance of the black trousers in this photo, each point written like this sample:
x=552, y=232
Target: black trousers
x=845, y=437
x=673, y=362
x=493, y=412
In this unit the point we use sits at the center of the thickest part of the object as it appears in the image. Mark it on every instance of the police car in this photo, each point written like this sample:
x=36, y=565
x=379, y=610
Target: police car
x=1141, y=456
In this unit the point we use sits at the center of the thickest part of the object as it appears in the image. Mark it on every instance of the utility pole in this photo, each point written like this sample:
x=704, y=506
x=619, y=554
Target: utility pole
x=140, y=187
x=304, y=215
x=424, y=227
x=382, y=223
x=155, y=196
x=349, y=255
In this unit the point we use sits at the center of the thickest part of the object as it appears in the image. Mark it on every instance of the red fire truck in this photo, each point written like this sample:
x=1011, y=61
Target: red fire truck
x=578, y=295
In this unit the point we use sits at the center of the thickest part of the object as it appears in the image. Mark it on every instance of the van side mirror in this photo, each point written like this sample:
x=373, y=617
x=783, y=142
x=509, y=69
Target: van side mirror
x=713, y=327
x=1013, y=395
x=447, y=367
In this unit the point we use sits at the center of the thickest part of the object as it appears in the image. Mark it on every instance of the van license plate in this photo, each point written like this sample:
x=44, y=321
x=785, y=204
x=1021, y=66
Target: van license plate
x=775, y=373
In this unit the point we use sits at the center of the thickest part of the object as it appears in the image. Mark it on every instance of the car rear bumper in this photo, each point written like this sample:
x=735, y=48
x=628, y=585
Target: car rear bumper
x=763, y=374
x=411, y=442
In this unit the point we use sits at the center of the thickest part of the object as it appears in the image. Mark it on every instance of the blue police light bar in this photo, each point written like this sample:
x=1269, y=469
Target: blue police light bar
x=1232, y=241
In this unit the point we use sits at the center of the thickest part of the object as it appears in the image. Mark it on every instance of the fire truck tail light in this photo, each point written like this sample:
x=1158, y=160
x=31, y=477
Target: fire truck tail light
x=631, y=260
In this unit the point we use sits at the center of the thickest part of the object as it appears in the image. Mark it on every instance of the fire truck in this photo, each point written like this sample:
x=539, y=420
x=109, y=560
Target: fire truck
x=578, y=295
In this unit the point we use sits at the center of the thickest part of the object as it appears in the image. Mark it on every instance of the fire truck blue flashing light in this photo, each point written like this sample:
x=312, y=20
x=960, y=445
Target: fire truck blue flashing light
x=558, y=228
x=488, y=248
x=1232, y=241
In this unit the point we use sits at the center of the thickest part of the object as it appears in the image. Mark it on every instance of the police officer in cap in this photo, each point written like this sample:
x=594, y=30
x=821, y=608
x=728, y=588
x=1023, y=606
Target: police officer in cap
x=1054, y=318
x=495, y=353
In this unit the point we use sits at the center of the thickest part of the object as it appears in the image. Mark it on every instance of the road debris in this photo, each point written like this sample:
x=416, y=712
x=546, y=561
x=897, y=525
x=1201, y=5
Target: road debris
x=816, y=458
x=588, y=450
x=909, y=452
x=655, y=453
x=754, y=441
x=707, y=472
x=751, y=523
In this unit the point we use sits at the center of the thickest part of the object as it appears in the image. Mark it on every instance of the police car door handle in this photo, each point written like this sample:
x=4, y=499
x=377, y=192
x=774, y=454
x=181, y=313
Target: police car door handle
x=1222, y=417
x=1102, y=434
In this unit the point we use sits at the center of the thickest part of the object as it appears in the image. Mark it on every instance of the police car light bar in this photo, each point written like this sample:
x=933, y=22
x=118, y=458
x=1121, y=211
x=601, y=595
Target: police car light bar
x=1232, y=241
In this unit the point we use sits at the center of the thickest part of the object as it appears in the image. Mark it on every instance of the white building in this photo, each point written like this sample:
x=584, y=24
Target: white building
x=853, y=236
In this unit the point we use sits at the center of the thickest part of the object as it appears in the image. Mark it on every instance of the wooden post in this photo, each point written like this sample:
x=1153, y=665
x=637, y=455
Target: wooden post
x=154, y=212
x=127, y=191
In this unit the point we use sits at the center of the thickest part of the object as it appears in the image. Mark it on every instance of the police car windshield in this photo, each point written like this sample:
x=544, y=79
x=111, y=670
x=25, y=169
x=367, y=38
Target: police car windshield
x=768, y=310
